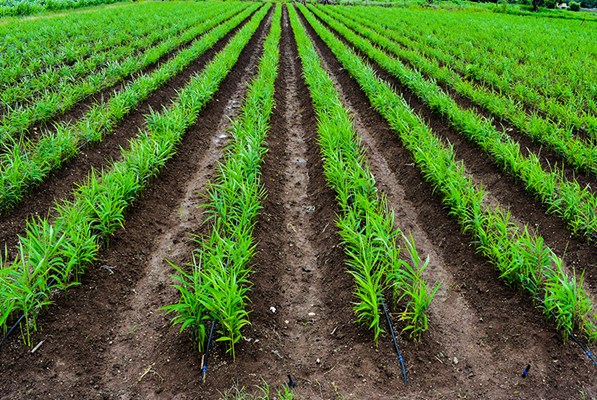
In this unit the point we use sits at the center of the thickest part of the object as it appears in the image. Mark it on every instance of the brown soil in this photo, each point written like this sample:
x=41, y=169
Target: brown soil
x=108, y=339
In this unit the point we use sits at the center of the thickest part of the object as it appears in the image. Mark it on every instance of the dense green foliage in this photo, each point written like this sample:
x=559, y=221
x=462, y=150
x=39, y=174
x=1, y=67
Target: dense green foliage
x=29, y=163
x=435, y=63
x=543, y=63
x=27, y=7
x=567, y=199
x=58, y=87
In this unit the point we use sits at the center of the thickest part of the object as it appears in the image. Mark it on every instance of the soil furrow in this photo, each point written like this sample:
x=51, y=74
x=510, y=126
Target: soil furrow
x=59, y=185
x=116, y=304
x=501, y=188
x=506, y=326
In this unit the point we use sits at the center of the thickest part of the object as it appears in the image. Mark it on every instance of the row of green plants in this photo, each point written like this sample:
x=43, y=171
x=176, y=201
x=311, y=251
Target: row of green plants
x=366, y=224
x=28, y=164
x=32, y=45
x=19, y=120
x=28, y=90
x=523, y=62
x=53, y=255
x=521, y=256
x=577, y=152
x=216, y=284
x=566, y=199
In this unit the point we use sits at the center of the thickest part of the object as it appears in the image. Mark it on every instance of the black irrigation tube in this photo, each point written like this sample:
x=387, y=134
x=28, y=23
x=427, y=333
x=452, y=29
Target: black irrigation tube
x=391, y=328
x=586, y=350
x=205, y=355
x=21, y=318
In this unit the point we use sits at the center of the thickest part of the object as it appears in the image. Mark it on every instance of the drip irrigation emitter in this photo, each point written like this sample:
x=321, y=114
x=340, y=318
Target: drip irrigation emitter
x=291, y=382
x=206, y=352
x=391, y=328
x=526, y=371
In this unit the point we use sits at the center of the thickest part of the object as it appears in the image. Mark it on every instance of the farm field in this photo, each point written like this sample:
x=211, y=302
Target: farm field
x=199, y=197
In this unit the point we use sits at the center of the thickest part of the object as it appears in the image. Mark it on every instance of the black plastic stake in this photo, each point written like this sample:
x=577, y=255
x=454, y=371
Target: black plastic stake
x=391, y=328
x=206, y=352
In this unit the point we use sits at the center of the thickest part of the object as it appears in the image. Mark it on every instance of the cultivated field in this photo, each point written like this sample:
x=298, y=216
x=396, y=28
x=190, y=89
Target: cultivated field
x=201, y=196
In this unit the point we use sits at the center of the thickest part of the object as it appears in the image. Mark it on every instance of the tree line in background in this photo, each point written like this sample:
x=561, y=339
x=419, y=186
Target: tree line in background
x=573, y=5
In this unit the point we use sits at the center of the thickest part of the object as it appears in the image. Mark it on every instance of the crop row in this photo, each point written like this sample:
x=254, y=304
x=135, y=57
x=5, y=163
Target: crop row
x=521, y=256
x=366, y=224
x=575, y=205
x=53, y=255
x=18, y=120
x=577, y=152
x=28, y=165
x=553, y=79
x=216, y=286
